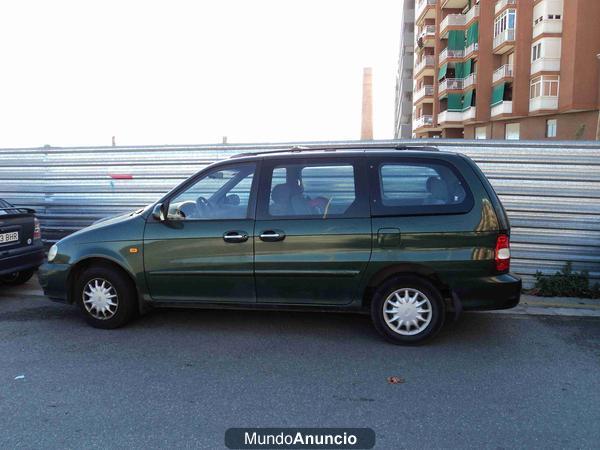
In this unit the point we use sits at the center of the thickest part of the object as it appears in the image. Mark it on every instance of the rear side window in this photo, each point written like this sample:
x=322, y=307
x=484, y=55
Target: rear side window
x=313, y=190
x=420, y=187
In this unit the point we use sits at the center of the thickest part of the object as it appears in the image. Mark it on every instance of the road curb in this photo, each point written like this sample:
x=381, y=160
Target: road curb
x=545, y=311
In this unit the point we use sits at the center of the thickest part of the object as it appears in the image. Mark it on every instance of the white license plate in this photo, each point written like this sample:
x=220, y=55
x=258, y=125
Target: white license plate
x=9, y=237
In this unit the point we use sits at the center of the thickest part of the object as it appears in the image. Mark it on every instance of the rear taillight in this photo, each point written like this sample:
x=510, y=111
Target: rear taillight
x=502, y=254
x=37, y=230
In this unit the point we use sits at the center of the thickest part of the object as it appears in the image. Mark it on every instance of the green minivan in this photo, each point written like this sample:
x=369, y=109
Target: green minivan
x=406, y=234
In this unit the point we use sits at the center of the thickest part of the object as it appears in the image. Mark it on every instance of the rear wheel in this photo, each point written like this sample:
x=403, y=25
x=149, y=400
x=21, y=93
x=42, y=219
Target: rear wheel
x=106, y=296
x=407, y=310
x=16, y=278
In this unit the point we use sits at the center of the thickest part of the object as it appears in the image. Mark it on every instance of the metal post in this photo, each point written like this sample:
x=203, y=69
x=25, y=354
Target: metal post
x=598, y=125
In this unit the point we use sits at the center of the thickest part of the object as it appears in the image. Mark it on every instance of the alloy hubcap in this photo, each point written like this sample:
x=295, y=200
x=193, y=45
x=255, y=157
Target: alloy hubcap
x=100, y=299
x=407, y=311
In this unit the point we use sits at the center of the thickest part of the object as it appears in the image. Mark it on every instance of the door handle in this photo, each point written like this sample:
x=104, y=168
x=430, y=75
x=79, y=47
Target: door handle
x=272, y=236
x=235, y=236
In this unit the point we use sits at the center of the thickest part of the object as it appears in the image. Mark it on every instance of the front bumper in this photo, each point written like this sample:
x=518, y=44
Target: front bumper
x=22, y=261
x=53, y=279
x=488, y=293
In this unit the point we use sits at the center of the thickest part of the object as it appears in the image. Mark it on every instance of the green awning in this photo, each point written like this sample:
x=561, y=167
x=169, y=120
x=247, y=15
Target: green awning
x=497, y=94
x=443, y=71
x=459, y=71
x=473, y=34
x=455, y=102
x=468, y=67
x=456, y=40
x=468, y=100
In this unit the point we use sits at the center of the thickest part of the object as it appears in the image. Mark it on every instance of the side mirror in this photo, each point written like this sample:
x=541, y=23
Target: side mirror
x=158, y=212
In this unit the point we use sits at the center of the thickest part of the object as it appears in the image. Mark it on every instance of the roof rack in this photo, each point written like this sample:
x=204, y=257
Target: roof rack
x=365, y=148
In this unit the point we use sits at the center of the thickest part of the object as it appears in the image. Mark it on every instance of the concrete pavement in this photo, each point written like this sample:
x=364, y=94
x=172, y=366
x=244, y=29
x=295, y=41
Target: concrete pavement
x=179, y=379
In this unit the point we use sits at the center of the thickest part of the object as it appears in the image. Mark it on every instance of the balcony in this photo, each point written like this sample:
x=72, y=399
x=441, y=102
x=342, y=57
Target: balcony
x=452, y=21
x=451, y=54
x=446, y=117
x=469, y=81
x=425, y=66
x=454, y=4
x=451, y=84
x=502, y=4
x=503, y=72
x=425, y=9
x=471, y=49
x=422, y=122
x=547, y=26
x=504, y=41
x=543, y=103
x=472, y=14
x=545, y=65
x=426, y=38
x=422, y=94
x=469, y=114
x=502, y=108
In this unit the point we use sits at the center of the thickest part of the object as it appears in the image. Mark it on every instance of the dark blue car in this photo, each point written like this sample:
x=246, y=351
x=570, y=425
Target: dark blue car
x=21, y=248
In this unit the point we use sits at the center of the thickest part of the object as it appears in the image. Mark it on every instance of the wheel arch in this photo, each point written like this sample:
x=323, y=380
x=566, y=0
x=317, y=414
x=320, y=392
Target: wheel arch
x=90, y=261
x=404, y=269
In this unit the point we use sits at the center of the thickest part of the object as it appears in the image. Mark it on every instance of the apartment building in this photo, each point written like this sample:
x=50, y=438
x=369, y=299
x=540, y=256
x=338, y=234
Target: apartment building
x=507, y=69
x=404, y=77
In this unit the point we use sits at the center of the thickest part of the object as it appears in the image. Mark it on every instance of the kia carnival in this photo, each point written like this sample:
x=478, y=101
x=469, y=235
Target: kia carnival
x=407, y=235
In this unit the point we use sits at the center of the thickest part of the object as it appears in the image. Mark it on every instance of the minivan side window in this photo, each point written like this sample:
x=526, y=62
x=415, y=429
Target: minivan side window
x=413, y=188
x=313, y=190
x=223, y=193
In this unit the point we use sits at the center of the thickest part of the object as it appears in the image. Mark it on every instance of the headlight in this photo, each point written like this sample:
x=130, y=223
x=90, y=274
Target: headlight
x=52, y=253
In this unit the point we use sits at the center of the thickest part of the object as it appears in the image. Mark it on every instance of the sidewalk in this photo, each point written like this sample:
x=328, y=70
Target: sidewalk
x=555, y=306
x=529, y=305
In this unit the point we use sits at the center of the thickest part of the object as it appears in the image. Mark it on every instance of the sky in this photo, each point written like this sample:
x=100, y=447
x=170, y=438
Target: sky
x=190, y=72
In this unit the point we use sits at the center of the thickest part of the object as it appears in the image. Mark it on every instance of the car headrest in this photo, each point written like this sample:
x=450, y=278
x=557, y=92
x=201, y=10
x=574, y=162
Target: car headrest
x=281, y=193
x=437, y=188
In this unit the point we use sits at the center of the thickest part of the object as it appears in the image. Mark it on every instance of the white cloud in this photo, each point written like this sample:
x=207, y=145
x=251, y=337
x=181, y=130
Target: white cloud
x=149, y=72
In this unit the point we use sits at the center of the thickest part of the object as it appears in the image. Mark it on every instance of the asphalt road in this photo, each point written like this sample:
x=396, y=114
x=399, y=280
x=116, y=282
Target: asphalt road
x=181, y=378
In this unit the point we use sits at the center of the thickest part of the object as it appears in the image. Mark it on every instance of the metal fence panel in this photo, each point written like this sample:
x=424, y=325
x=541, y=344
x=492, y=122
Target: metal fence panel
x=550, y=189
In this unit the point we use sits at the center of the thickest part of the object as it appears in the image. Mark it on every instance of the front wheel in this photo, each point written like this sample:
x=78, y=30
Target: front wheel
x=407, y=310
x=16, y=278
x=106, y=296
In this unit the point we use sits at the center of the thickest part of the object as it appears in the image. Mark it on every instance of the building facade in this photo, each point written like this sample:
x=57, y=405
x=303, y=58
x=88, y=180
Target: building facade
x=404, y=77
x=507, y=69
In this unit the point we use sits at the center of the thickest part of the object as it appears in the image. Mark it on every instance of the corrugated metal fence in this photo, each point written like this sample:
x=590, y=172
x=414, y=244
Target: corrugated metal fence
x=551, y=190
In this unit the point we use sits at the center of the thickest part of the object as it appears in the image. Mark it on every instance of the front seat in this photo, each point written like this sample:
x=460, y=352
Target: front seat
x=300, y=202
x=281, y=200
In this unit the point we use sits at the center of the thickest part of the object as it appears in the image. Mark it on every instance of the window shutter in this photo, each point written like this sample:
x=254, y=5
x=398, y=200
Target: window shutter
x=497, y=94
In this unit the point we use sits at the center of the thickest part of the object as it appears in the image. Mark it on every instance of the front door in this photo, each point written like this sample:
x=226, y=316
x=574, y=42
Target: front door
x=204, y=252
x=313, y=231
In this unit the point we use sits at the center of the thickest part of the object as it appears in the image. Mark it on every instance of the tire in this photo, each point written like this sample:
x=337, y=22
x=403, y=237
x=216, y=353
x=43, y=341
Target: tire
x=406, y=298
x=100, y=286
x=17, y=278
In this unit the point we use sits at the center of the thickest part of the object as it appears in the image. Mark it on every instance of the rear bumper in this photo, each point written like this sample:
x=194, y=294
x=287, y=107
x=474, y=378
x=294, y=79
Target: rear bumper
x=497, y=292
x=53, y=279
x=22, y=261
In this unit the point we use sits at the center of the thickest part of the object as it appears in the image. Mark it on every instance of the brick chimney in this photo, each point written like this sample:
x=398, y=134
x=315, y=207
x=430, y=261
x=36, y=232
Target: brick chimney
x=366, y=130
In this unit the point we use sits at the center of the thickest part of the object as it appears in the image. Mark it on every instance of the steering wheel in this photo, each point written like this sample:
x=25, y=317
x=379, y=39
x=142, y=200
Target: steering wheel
x=204, y=206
